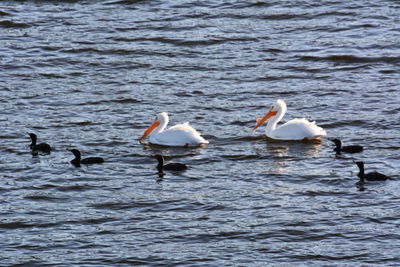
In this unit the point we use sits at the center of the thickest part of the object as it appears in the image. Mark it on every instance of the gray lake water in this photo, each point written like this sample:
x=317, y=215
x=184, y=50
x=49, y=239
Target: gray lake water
x=92, y=75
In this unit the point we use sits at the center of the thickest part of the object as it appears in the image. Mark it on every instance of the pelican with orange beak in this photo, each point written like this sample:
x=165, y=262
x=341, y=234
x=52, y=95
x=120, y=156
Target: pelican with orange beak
x=178, y=135
x=295, y=129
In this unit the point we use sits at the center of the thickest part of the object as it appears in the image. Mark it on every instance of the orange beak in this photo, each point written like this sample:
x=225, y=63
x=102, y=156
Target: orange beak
x=260, y=121
x=148, y=131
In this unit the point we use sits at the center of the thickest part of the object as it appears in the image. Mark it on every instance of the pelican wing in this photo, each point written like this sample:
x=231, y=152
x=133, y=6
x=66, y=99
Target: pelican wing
x=298, y=129
x=179, y=135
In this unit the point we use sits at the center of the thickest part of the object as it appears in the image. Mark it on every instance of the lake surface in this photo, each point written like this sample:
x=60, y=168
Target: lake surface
x=92, y=75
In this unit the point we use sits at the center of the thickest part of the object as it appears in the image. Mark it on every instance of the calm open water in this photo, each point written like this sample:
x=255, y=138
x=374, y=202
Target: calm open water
x=93, y=75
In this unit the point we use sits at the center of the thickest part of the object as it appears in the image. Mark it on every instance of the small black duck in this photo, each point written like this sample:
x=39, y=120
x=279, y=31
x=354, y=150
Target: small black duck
x=42, y=147
x=77, y=161
x=169, y=166
x=371, y=176
x=347, y=149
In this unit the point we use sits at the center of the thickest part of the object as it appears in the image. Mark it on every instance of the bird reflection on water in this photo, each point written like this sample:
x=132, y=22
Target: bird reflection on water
x=284, y=152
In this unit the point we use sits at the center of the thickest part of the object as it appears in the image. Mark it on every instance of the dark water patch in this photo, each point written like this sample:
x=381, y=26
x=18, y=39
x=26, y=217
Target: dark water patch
x=335, y=14
x=279, y=17
x=90, y=50
x=3, y=13
x=183, y=94
x=42, y=198
x=244, y=4
x=282, y=77
x=251, y=137
x=118, y=101
x=242, y=157
x=44, y=186
x=60, y=1
x=350, y=28
x=48, y=48
x=352, y=59
x=22, y=224
x=125, y=29
x=185, y=42
x=388, y=71
x=242, y=123
x=90, y=221
x=277, y=92
x=76, y=188
x=76, y=74
x=328, y=258
x=338, y=124
x=164, y=206
x=52, y=75
x=217, y=236
x=321, y=193
x=272, y=50
x=11, y=24
x=81, y=123
x=124, y=2
x=149, y=260
x=120, y=206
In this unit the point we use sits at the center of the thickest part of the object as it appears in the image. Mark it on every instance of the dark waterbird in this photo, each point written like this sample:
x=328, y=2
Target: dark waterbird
x=347, y=149
x=42, y=147
x=169, y=166
x=371, y=176
x=77, y=161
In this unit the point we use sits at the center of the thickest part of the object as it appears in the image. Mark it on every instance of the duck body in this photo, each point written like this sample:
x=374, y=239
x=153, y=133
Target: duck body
x=178, y=135
x=169, y=166
x=375, y=176
x=347, y=149
x=77, y=161
x=42, y=147
x=294, y=130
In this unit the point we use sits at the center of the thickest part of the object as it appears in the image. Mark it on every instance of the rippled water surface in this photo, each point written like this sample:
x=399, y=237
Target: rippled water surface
x=93, y=74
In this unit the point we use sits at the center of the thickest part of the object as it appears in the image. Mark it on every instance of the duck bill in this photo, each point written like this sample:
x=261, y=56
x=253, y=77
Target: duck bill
x=260, y=121
x=149, y=130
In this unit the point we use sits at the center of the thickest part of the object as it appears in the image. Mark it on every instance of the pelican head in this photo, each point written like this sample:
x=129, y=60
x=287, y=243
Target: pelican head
x=161, y=119
x=279, y=107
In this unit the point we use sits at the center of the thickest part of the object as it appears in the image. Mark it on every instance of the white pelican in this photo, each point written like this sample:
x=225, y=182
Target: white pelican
x=296, y=129
x=178, y=135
